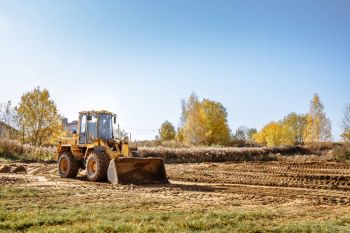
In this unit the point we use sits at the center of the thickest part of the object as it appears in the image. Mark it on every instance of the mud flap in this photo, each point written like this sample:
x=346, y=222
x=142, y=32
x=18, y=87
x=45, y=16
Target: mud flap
x=137, y=171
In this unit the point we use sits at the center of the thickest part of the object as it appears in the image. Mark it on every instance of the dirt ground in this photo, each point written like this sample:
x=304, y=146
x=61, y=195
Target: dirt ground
x=215, y=184
x=314, y=191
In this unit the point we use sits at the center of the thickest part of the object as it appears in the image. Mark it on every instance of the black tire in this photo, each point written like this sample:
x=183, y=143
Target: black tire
x=67, y=166
x=96, y=166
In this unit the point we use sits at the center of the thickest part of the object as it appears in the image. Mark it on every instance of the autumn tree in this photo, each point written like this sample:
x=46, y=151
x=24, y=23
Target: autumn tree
x=244, y=133
x=346, y=124
x=39, y=121
x=250, y=133
x=293, y=127
x=318, y=126
x=179, y=135
x=288, y=131
x=167, y=131
x=203, y=122
x=296, y=129
x=217, y=129
x=8, y=115
x=271, y=135
x=193, y=120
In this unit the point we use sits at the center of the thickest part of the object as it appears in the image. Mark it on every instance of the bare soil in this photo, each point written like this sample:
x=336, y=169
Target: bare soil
x=280, y=197
x=314, y=191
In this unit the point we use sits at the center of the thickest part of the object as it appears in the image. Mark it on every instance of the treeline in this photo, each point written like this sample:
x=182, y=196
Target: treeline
x=298, y=129
x=204, y=122
x=36, y=121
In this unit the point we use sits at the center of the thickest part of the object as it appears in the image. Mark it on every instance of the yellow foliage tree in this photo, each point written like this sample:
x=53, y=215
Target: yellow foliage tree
x=297, y=129
x=270, y=135
x=260, y=137
x=274, y=134
x=194, y=128
x=39, y=121
x=289, y=131
x=346, y=124
x=218, y=131
x=204, y=122
x=318, y=127
x=293, y=127
x=179, y=135
x=167, y=131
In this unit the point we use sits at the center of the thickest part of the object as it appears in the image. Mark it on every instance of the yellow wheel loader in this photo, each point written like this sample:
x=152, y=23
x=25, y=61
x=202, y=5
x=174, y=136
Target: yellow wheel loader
x=104, y=156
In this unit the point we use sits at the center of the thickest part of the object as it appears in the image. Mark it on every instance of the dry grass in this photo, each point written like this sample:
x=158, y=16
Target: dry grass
x=14, y=150
x=175, y=144
x=159, y=143
x=342, y=153
x=324, y=157
x=207, y=154
x=173, y=152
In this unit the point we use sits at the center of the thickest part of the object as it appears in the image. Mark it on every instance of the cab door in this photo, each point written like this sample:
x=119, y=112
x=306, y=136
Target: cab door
x=82, y=129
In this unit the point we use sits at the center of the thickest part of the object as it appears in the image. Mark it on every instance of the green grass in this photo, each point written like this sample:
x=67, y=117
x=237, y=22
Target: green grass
x=6, y=160
x=37, y=210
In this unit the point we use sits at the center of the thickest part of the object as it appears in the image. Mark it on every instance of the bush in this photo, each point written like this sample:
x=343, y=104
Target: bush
x=177, y=144
x=220, y=154
x=159, y=143
x=342, y=153
x=14, y=150
x=243, y=143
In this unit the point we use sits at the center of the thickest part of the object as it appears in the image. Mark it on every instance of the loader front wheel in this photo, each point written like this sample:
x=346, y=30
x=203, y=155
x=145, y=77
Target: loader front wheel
x=67, y=166
x=96, y=167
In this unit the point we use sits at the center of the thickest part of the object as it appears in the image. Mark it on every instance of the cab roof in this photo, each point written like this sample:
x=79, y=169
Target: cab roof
x=97, y=112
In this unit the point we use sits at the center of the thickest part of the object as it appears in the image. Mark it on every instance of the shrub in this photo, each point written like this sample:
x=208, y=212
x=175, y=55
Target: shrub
x=217, y=154
x=342, y=153
x=159, y=143
x=15, y=150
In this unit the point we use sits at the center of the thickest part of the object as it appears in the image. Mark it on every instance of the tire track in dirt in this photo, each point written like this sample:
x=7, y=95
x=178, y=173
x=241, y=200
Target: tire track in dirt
x=320, y=183
x=210, y=184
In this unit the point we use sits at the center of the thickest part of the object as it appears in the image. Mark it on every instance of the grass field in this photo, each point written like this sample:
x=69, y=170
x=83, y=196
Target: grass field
x=232, y=201
x=35, y=210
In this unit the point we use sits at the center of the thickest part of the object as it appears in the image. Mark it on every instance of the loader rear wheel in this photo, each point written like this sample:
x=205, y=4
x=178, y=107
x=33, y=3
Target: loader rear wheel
x=67, y=166
x=96, y=167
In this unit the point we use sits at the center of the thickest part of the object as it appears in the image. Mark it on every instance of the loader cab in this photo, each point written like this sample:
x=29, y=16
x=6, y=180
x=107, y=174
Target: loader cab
x=95, y=125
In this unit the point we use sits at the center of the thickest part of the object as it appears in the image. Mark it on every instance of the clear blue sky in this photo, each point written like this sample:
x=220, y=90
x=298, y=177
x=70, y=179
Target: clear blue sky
x=260, y=59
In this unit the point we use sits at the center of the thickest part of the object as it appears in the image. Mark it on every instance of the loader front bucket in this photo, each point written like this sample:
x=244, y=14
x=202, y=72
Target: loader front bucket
x=137, y=171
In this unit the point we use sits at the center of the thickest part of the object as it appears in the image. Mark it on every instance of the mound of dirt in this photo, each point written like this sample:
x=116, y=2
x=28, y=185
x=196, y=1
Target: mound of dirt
x=13, y=169
x=5, y=169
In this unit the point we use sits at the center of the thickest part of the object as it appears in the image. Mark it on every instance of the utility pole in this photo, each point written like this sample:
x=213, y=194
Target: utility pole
x=118, y=132
x=130, y=137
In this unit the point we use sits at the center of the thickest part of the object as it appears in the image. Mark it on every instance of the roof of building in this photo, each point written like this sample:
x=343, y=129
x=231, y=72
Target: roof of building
x=7, y=126
x=72, y=123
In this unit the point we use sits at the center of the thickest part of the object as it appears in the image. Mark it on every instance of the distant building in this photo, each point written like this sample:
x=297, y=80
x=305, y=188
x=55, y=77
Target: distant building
x=70, y=126
x=7, y=131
